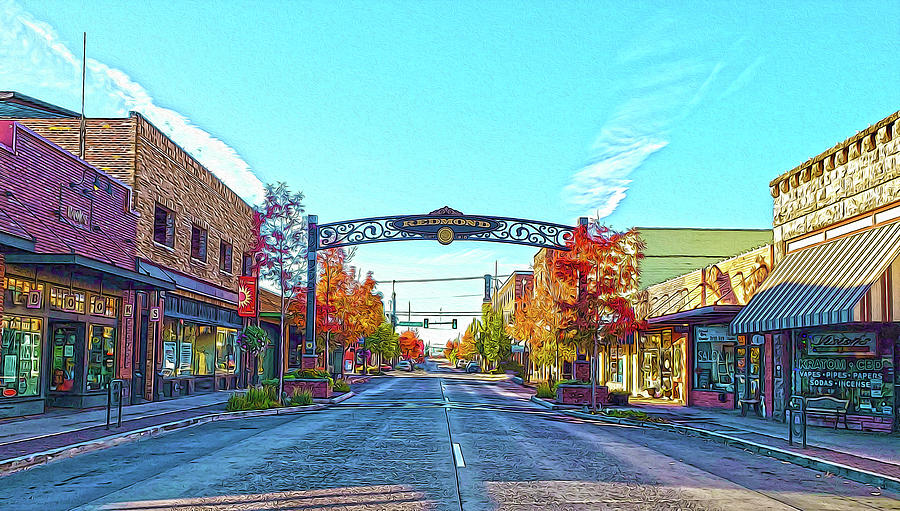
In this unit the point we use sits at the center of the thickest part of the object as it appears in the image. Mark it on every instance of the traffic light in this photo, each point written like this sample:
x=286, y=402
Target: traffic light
x=454, y=324
x=425, y=321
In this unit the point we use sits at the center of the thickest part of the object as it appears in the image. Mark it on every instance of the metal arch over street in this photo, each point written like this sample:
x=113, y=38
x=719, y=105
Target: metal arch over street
x=444, y=225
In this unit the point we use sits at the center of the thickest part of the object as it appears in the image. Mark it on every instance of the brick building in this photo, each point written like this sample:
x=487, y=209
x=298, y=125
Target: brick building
x=69, y=273
x=191, y=229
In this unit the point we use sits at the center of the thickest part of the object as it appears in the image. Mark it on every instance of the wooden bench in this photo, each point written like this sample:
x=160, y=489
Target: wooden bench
x=828, y=405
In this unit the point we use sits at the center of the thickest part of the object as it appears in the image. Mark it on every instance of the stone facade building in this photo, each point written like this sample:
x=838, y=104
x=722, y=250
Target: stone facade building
x=830, y=310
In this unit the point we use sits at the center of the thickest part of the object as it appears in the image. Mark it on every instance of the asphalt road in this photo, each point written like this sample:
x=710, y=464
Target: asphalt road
x=442, y=441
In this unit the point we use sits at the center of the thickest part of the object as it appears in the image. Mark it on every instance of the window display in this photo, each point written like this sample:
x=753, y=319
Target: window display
x=848, y=366
x=67, y=300
x=186, y=349
x=616, y=363
x=20, y=348
x=714, y=358
x=101, y=357
x=227, y=351
x=17, y=289
x=64, y=358
x=204, y=351
x=170, y=347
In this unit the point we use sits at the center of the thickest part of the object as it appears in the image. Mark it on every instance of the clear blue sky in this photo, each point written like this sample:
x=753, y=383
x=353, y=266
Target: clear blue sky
x=672, y=116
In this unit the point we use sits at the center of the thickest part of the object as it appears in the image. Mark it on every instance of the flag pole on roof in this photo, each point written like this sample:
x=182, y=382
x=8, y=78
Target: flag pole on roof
x=81, y=129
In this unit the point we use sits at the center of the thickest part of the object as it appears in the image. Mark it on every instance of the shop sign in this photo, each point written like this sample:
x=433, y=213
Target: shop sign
x=74, y=208
x=840, y=343
x=845, y=373
x=69, y=304
x=247, y=297
x=98, y=306
x=714, y=334
x=35, y=299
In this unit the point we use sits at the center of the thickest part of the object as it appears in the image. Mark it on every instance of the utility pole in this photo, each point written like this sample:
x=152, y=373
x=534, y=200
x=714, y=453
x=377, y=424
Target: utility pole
x=394, y=305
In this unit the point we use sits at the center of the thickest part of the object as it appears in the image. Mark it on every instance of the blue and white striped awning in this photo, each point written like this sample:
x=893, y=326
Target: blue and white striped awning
x=822, y=284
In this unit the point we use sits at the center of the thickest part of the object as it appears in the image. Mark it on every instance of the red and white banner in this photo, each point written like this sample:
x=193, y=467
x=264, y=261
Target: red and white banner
x=247, y=297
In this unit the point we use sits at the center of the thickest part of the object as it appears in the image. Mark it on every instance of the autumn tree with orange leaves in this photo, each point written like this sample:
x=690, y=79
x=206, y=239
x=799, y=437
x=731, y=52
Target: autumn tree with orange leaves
x=601, y=268
x=347, y=306
x=411, y=347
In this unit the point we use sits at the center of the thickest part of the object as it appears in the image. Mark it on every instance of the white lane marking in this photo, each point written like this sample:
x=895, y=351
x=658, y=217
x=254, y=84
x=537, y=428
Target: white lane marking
x=457, y=453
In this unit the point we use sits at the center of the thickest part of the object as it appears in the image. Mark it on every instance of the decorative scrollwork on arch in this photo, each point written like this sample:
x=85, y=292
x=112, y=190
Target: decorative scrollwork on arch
x=517, y=231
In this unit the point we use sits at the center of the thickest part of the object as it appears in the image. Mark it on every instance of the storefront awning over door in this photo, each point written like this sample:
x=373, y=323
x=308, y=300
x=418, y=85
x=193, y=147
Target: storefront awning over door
x=821, y=285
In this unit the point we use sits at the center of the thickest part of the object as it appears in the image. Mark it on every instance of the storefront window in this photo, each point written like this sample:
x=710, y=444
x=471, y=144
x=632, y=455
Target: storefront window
x=64, y=360
x=101, y=357
x=848, y=366
x=186, y=349
x=67, y=300
x=17, y=290
x=649, y=357
x=228, y=355
x=714, y=358
x=20, y=347
x=205, y=351
x=170, y=347
x=104, y=306
x=616, y=363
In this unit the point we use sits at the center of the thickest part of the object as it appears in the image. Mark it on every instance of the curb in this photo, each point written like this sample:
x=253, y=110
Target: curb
x=337, y=399
x=855, y=474
x=545, y=404
x=8, y=466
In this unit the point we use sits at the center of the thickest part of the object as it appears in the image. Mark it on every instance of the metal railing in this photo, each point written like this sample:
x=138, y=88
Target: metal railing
x=797, y=419
x=115, y=388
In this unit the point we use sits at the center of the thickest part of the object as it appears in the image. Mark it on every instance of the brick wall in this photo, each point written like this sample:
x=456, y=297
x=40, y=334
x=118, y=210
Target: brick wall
x=167, y=175
x=109, y=143
x=137, y=153
x=66, y=205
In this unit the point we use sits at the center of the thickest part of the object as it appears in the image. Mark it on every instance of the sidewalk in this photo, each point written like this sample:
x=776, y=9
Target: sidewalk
x=881, y=447
x=59, y=428
x=872, y=458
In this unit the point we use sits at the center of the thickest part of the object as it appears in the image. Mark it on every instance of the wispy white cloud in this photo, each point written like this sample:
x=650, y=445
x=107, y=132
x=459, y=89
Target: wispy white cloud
x=743, y=78
x=662, y=83
x=36, y=61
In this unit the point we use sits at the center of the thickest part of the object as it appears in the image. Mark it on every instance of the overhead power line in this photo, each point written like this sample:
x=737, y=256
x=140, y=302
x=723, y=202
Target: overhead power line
x=410, y=281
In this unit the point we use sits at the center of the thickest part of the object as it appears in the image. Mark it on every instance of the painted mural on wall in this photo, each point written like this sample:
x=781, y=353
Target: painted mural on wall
x=730, y=282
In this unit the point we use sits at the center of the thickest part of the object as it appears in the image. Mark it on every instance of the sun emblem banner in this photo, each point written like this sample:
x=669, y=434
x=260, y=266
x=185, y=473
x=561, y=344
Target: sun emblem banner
x=247, y=297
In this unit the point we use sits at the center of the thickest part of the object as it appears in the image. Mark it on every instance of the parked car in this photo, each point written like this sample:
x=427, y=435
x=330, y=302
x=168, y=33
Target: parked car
x=386, y=367
x=473, y=367
x=403, y=365
x=461, y=364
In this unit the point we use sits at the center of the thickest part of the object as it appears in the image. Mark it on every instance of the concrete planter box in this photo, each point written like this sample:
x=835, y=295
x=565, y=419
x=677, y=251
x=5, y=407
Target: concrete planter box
x=569, y=394
x=318, y=387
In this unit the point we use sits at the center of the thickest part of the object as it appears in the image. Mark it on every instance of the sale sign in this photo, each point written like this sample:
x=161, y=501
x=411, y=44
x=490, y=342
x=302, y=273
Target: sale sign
x=247, y=297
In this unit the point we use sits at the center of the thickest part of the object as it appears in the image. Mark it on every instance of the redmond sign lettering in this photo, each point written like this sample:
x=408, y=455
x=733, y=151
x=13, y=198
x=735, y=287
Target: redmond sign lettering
x=444, y=228
x=841, y=343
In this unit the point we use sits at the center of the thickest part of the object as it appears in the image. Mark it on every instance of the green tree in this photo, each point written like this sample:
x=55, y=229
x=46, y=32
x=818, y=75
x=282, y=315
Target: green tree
x=384, y=341
x=492, y=341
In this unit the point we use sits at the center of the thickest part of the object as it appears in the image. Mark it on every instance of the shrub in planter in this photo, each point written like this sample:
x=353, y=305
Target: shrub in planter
x=569, y=382
x=256, y=398
x=618, y=398
x=544, y=391
x=341, y=386
x=300, y=398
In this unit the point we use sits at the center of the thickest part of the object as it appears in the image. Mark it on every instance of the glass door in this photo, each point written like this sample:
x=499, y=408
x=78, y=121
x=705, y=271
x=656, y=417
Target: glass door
x=65, y=357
